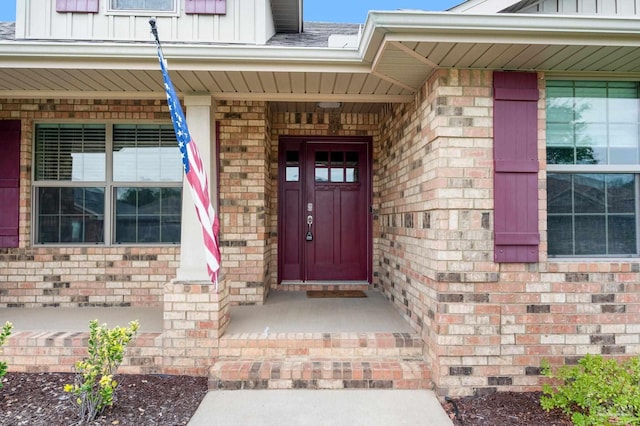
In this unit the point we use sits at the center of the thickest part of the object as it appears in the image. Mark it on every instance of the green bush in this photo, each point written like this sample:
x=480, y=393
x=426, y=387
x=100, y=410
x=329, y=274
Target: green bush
x=94, y=386
x=4, y=334
x=597, y=391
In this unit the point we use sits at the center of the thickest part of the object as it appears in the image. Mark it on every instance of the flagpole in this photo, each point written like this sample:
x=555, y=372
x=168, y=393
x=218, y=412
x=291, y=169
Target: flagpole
x=154, y=31
x=194, y=170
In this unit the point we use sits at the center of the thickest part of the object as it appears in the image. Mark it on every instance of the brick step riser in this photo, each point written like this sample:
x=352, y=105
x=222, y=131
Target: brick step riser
x=319, y=374
x=42, y=352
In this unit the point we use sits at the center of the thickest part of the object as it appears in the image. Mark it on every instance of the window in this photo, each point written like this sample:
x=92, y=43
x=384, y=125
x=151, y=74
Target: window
x=148, y=5
x=336, y=166
x=593, y=164
x=83, y=196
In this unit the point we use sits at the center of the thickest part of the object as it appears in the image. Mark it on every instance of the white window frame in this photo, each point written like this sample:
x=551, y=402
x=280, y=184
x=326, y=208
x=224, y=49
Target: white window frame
x=108, y=184
x=599, y=169
x=143, y=12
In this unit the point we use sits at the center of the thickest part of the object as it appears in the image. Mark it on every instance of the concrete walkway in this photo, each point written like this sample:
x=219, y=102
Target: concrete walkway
x=320, y=408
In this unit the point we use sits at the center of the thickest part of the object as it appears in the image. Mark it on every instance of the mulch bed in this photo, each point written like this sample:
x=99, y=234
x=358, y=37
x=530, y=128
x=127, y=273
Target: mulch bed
x=39, y=399
x=503, y=409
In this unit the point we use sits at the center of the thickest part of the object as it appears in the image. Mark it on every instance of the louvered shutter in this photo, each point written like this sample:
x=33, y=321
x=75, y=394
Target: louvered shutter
x=515, y=127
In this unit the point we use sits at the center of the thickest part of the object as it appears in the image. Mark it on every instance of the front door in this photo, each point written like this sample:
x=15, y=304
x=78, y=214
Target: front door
x=324, y=225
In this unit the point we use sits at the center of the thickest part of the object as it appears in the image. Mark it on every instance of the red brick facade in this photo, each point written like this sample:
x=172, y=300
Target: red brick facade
x=485, y=325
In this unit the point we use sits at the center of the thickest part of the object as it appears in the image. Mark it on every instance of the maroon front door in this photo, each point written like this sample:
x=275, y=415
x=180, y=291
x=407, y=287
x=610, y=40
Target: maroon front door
x=324, y=223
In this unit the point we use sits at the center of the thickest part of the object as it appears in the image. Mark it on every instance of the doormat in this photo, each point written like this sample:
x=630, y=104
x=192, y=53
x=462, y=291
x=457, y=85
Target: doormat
x=324, y=294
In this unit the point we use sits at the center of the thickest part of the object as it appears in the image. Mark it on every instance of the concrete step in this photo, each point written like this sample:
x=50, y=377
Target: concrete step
x=317, y=373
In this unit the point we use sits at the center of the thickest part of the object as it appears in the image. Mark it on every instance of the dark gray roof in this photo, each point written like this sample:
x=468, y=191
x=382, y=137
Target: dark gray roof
x=314, y=34
x=7, y=30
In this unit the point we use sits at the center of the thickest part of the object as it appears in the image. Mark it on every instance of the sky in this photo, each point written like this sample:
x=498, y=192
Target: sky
x=352, y=11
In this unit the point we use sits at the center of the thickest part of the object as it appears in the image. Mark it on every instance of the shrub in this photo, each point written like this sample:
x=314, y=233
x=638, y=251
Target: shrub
x=94, y=387
x=597, y=391
x=4, y=334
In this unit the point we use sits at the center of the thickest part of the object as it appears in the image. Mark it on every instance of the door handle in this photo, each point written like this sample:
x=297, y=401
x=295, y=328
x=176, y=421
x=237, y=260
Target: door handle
x=309, y=236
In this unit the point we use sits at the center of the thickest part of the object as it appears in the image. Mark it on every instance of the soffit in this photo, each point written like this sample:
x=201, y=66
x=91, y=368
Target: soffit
x=397, y=53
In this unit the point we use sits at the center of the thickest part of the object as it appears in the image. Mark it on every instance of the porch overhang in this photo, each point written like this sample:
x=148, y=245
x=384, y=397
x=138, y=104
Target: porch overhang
x=397, y=52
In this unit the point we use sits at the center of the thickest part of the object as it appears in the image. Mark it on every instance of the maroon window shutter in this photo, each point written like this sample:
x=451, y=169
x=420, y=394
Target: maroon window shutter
x=208, y=7
x=515, y=154
x=86, y=6
x=9, y=182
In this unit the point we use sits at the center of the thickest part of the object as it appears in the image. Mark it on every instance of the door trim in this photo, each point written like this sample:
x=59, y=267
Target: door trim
x=346, y=140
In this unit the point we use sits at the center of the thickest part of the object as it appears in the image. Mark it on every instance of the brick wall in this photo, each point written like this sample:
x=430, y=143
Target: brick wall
x=487, y=326
x=79, y=276
x=245, y=198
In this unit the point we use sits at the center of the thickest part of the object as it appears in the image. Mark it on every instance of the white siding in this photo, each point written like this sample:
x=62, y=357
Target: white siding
x=583, y=7
x=246, y=21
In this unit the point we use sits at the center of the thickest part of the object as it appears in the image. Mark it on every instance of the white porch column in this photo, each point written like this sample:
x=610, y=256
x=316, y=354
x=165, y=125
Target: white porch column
x=200, y=109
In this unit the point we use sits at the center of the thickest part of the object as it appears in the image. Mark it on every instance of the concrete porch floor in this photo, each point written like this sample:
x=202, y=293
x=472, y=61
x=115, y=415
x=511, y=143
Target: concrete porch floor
x=292, y=311
x=283, y=312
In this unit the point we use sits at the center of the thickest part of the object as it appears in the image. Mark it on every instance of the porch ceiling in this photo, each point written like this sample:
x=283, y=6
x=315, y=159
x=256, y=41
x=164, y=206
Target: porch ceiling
x=397, y=53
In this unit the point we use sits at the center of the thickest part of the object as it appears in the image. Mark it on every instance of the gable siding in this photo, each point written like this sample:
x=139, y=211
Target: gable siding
x=584, y=7
x=212, y=21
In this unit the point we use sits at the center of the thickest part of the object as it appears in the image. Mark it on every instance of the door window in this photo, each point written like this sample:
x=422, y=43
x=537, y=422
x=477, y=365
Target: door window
x=336, y=166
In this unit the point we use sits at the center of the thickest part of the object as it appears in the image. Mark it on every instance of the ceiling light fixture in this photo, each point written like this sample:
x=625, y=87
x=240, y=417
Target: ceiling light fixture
x=329, y=105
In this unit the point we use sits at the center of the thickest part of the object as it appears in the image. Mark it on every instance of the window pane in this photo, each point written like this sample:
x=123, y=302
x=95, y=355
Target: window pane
x=337, y=158
x=70, y=215
x=146, y=153
x=560, y=134
x=352, y=159
x=622, y=234
x=590, y=110
x=171, y=199
x=560, y=155
x=621, y=193
x=142, y=4
x=70, y=152
x=322, y=175
x=170, y=229
x=292, y=174
x=560, y=194
x=141, y=214
x=292, y=157
x=589, y=194
x=352, y=175
x=337, y=175
x=624, y=110
x=590, y=235
x=322, y=159
x=560, y=235
x=560, y=105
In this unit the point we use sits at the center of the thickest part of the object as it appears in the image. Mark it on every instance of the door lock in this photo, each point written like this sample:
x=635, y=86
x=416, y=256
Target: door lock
x=309, y=236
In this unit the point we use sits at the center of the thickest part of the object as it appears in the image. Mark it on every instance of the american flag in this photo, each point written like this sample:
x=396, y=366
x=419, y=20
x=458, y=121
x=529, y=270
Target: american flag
x=196, y=176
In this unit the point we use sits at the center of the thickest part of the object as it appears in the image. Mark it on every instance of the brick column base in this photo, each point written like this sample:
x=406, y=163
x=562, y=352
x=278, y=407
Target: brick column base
x=195, y=316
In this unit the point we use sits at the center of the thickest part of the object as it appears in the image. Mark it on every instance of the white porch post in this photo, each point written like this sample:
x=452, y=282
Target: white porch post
x=200, y=109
